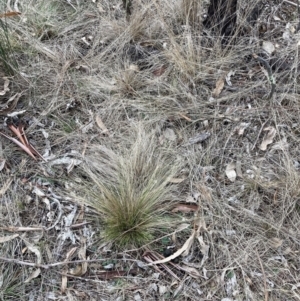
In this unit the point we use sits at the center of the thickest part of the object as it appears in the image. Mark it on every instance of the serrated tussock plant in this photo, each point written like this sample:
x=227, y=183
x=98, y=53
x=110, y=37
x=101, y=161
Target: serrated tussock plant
x=7, y=59
x=132, y=189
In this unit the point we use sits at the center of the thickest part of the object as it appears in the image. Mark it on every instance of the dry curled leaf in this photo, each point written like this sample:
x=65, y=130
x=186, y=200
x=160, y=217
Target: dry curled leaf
x=162, y=289
x=281, y=145
x=159, y=71
x=199, y=138
x=2, y=163
x=169, y=134
x=275, y=242
x=205, y=192
x=5, y=186
x=182, y=226
x=191, y=199
x=33, y=275
x=239, y=168
x=268, y=139
x=5, y=86
x=184, y=250
x=228, y=77
x=230, y=171
x=64, y=278
x=176, y=180
x=268, y=47
x=34, y=249
x=193, y=272
x=81, y=268
x=64, y=283
x=241, y=128
x=10, y=14
x=70, y=162
x=101, y=125
x=185, y=208
x=8, y=238
x=204, y=249
x=219, y=87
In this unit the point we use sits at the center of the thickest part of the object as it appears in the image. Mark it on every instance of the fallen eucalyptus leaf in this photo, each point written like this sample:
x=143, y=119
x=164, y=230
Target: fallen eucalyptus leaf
x=101, y=125
x=8, y=238
x=268, y=139
x=219, y=87
x=228, y=76
x=176, y=180
x=184, y=250
x=230, y=171
x=33, y=275
x=5, y=86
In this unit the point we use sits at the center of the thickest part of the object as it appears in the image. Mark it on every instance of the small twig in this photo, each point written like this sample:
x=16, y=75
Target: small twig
x=127, y=5
x=79, y=225
x=27, y=229
x=21, y=229
x=185, y=117
x=81, y=278
x=270, y=75
x=47, y=266
x=5, y=186
x=13, y=102
x=264, y=274
x=60, y=213
x=69, y=1
x=254, y=144
x=290, y=2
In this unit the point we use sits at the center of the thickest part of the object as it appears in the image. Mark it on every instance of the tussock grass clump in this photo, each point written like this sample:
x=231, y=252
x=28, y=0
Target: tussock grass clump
x=7, y=59
x=132, y=189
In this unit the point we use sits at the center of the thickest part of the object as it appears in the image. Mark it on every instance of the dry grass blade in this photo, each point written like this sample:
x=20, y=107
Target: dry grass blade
x=10, y=14
x=5, y=186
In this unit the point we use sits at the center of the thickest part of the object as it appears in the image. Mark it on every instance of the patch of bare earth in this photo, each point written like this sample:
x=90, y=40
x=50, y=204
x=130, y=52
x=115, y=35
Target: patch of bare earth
x=89, y=73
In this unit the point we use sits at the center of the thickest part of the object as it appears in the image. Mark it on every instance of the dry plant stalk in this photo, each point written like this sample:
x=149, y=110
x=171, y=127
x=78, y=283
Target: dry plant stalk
x=191, y=12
